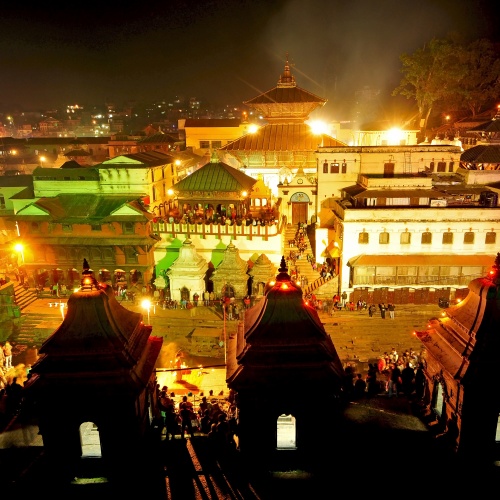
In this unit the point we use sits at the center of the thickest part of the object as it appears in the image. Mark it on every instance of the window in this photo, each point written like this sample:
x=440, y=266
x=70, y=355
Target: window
x=67, y=228
x=363, y=238
x=447, y=238
x=95, y=227
x=441, y=166
x=431, y=166
x=344, y=168
x=325, y=167
x=128, y=228
x=35, y=227
x=451, y=166
x=383, y=238
x=491, y=237
x=204, y=144
x=405, y=238
x=216, y=144
x=469, y=237
x=334, y=168
x=130, y=255
x=426, y=238
x=154, y=193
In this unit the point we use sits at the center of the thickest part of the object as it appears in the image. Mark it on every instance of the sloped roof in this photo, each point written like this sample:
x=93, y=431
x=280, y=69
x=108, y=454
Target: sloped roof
x=83, y=209
x=465, y=342
x=282, y=137
x=215, y=176
x=286, y=91
x=285, y=345
x=159, y=138
x=481, y=154
x=100, y=343
x=71, y=164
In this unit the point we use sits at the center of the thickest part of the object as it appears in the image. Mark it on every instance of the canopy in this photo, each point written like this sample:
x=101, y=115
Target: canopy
x=119, y=271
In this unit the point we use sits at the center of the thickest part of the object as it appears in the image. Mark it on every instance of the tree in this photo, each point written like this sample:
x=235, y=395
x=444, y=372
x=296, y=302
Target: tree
x=431, y=75
x=480, y=84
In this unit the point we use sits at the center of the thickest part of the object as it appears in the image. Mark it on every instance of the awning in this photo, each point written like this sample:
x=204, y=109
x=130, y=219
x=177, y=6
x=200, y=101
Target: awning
x=104, y=270
x=381, y=260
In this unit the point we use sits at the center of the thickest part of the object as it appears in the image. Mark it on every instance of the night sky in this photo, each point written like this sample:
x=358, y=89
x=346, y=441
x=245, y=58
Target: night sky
x=221, y=51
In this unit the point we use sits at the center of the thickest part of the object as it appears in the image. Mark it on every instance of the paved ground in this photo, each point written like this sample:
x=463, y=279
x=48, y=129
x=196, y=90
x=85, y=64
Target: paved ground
x=380, y=445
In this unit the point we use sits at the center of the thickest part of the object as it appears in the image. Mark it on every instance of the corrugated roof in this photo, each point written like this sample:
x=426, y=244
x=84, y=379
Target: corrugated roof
x=282, y=137
x=423, y=260
x=216, y=176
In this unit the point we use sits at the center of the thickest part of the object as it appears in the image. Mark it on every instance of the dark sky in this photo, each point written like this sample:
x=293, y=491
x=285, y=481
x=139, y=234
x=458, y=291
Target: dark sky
x=223, y=51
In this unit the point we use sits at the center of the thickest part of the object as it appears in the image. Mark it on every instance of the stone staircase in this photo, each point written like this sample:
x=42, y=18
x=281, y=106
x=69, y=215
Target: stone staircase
x=24, y=297
x=302, y=265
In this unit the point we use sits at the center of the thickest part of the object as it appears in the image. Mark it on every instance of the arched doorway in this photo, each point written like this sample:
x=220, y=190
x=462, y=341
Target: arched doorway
x=90, y=440
x=185, y=294
x=227, y=291
x=286, y=433
x=300, y=204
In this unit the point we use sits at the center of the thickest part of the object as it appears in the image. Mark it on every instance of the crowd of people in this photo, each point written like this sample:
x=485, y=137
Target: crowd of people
x=211, y=416
x=393, y=375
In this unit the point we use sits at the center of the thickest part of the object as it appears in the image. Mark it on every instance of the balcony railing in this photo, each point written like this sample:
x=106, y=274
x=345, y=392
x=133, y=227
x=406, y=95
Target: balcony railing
x=265, y=231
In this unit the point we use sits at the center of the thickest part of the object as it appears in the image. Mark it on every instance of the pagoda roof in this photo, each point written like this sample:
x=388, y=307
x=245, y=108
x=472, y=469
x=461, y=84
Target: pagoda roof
x=295, y=137
x=99, y=342
x=285, y=344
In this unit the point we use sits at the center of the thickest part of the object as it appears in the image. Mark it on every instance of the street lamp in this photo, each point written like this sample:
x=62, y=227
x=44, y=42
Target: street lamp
x=42, y=159
x=19, y=248
x=146, y=304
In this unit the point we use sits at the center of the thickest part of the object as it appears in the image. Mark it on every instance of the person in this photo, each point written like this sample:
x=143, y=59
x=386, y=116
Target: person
x=391, y=308
x=186, y=414
x=246, y=301
x=381, y=363
x=206, y=298
x=7, y=351
x=344, y=298
x=371, y=310
x=394, y=380
x=196, y=297
x=420, y=382
x=171, y=422
x=204, y=406
x=371, y=380
x=2, y=356
x=359, y=386
x=205, y=422
x=14, y=392
x=407, y=376
x=382, y=310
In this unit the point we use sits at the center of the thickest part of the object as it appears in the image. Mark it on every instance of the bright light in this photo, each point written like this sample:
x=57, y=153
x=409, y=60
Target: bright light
x=244, y=194
x=318, y=127
x=146, y=304
x=18, y=247
x=253, y=128
x=394, y=136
